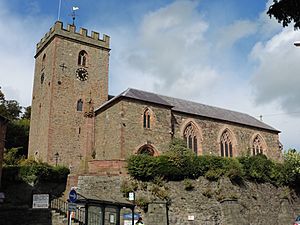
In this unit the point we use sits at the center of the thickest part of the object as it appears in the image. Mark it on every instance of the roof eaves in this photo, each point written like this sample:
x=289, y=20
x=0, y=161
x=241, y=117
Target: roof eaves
x=224, y=120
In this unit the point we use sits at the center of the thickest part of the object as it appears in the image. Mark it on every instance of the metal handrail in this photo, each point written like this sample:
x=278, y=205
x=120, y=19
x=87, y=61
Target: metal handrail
x=61, y=206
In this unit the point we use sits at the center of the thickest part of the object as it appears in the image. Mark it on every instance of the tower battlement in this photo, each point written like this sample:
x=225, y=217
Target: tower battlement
x=70, y=33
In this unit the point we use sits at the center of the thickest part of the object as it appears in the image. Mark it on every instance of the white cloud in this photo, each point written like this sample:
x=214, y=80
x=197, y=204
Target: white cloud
x=234, y=32
x=171, y=48
x=17, y=46
x=276, y=77
x=267, y=26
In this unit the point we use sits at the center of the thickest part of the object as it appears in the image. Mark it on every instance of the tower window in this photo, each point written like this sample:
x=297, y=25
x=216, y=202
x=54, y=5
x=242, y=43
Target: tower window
x=79, y=105
x=226, y=144
x=82, y=58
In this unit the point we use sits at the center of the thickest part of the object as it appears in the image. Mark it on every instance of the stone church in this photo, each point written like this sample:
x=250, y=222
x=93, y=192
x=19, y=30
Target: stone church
x=76, y=123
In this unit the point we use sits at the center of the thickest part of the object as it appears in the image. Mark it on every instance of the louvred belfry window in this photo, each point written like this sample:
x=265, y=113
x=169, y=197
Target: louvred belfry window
x=82, y=58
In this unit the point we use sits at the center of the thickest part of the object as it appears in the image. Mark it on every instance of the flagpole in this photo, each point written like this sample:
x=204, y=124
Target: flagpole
x=58, y=14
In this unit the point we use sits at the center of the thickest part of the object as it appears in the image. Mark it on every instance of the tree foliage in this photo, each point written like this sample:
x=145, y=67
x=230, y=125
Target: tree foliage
x=286, y=11
x=17, y=134
x=34, y=172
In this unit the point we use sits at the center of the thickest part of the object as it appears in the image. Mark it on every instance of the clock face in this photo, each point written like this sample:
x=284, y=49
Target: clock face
x=82, y=74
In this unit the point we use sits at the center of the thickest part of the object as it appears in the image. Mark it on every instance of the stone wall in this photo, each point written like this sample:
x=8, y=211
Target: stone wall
x=211, y=130
x=119, y=130
x=208, y=203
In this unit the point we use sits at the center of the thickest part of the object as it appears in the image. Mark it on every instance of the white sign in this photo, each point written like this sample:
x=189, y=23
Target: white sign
x=129, y=222
x=131, y=196
x=191, y=218
x=40, y=201
x=111, y=218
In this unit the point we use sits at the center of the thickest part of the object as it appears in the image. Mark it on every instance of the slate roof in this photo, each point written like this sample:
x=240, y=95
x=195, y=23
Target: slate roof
x=189, y=107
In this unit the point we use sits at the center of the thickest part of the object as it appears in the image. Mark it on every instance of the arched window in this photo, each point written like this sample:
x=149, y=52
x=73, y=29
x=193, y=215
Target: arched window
x=147, y=119
x=82, y=58
x=191, y=137
x=79, y=105
x=146, y=150
x=257, y=145
x=226, y=144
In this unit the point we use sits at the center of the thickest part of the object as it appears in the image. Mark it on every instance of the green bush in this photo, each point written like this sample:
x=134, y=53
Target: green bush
x=257, y=168
x=13, y=156
x=143, y=167
x=34, y=172
x=181, y=163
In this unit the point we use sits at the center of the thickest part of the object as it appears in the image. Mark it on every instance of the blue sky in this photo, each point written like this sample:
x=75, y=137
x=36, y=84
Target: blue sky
x=225, y=53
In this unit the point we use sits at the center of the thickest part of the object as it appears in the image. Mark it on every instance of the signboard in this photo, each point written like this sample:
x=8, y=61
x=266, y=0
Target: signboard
x=191, y=218
x=40, y=201
x=131, y=196
x=112, y=218
x=73, y=196
x=71, y=207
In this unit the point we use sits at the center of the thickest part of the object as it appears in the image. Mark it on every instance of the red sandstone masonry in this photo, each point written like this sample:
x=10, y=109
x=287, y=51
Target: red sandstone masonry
x=104, y=167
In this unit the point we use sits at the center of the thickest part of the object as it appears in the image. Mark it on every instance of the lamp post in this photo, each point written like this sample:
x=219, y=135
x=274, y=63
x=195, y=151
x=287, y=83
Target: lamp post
x=56, y=156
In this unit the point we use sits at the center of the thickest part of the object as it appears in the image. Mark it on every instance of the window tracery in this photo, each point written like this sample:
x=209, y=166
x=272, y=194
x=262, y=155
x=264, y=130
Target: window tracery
x=146, y=150
x=257, y=145
x=226, y=144
x=191, y=137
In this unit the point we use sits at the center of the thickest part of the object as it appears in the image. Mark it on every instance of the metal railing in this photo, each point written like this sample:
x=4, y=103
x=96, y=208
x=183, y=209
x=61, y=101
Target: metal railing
x=61, y=207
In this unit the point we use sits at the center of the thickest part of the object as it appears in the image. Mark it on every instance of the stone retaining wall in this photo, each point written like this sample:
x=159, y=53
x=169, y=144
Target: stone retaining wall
x=208, y=203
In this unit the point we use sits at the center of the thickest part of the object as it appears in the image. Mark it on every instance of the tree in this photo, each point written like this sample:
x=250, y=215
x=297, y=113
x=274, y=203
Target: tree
x=27, y=113
x=17, y=134
x=286, y=11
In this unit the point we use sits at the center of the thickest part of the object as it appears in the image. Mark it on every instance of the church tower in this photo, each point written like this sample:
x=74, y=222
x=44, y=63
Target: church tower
x=70, y=79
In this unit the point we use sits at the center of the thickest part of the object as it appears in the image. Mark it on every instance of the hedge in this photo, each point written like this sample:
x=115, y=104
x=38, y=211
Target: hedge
x=253, y=168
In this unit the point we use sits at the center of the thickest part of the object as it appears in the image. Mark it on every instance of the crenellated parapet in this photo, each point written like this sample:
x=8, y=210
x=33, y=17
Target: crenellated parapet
x=70, y=33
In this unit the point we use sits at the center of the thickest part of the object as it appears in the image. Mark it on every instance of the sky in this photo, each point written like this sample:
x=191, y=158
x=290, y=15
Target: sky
x=224, y=53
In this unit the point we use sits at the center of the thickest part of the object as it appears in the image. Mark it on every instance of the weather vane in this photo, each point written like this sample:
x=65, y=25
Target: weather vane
x=73, y=14
x=74, y=9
